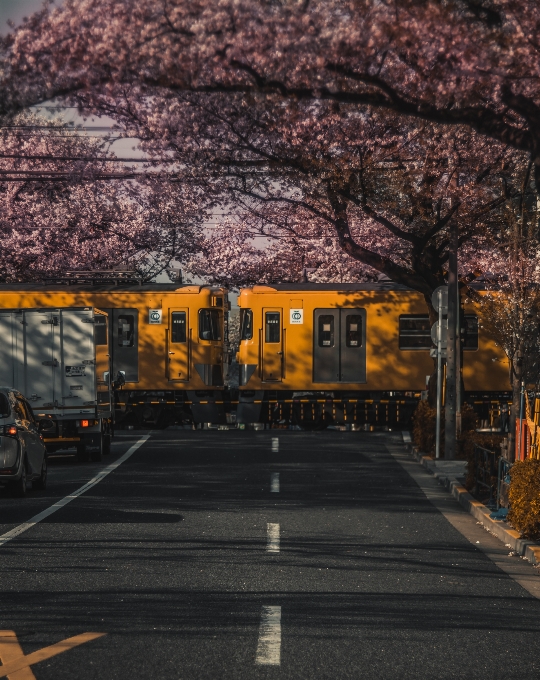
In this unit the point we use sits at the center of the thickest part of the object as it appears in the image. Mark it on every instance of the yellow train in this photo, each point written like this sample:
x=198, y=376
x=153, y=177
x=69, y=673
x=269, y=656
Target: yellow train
x=354, y=353
x=168, y=341
x=309, y=353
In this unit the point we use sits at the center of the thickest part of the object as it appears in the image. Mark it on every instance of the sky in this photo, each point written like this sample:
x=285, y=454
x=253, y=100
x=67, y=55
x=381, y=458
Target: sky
x=16, y=10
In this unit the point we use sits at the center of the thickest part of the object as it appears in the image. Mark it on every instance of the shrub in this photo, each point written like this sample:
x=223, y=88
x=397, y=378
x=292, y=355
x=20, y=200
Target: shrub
x=469, y=419
x=524, y=497
x=424, y=422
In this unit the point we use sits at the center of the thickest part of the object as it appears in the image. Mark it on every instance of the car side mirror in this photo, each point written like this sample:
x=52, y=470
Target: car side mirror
x=46, y=425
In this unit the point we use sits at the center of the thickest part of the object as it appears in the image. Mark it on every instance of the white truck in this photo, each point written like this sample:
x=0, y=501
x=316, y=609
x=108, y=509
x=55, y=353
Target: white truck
x=59, y=360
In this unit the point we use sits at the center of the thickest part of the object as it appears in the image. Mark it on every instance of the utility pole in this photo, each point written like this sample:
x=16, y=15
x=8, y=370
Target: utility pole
x=439, y=373
x=459, y=354
x=451, y=382
x=439, y=299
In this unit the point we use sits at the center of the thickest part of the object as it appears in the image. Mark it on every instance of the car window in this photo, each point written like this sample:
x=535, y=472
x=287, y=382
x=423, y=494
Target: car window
x=4, y=406
x=24, y=410
x=18, y=409
x=28, y=409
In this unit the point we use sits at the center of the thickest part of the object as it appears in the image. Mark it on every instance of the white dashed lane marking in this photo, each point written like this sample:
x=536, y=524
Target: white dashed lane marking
x=275, y=444
x=272, y=544
x=274, y=482
x=269, y=646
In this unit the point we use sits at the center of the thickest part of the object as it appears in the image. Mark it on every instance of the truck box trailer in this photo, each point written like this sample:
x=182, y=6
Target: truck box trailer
x=59, y=359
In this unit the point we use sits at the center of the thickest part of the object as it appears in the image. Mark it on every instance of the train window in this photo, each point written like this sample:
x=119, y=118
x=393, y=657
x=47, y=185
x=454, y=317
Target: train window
x=179, y=327
x=414, y=332
x=272, y=326
x=353, y=326
x=326, y=330
x=470, y=338
x=126, y=330
x=100, y=332
x=246, y=324
x=209, y=324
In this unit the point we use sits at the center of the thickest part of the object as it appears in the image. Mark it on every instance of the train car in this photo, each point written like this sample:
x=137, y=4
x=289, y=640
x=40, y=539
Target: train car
x=167, y=343
x=355, y=354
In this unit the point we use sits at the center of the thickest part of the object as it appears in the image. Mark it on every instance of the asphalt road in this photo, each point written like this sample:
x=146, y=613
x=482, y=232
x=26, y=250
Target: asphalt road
x=207, y=555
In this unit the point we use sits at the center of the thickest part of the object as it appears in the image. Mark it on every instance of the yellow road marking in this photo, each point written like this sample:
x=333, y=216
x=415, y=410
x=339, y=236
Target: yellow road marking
x=16, y=666
x=10, y=650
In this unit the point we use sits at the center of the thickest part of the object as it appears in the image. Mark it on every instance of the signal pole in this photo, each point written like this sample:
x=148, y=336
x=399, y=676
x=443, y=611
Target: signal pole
x=451, y=377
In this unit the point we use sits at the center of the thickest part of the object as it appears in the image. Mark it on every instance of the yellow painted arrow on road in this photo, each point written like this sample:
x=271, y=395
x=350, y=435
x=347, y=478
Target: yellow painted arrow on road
x=16, y=666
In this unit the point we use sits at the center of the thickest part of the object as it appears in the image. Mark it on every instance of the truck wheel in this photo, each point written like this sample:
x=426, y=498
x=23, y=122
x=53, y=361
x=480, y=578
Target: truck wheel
x=41, y=482
x=82, y=452
x=97, y=454
x=106, y=444
x=19, y=487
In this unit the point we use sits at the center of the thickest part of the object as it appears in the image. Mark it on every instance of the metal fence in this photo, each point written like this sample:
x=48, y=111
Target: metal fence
x=492, y=475
x=485, y=472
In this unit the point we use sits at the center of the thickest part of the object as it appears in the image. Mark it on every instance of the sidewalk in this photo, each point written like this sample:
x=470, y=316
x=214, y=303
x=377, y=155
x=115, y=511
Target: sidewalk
x=451, y=474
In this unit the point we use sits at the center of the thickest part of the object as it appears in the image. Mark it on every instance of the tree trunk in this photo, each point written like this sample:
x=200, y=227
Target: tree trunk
x=517, y=375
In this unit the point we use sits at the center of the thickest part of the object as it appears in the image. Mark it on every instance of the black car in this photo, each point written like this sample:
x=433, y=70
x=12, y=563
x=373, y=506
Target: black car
x=23, y=457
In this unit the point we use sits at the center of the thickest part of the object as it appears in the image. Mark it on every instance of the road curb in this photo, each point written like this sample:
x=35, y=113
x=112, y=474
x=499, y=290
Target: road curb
x=510, y=537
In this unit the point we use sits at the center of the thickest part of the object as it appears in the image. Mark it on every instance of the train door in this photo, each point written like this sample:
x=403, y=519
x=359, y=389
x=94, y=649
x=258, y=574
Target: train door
x=272, y=345
x=178, y=344
x=353, y=345
x=125, y=343
x=326, y=346
x=339, y=348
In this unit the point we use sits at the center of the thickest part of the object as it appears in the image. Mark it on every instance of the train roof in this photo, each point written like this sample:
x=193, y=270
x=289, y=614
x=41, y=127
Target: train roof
x=106, y=287
x=348, y=287
x=345, y=287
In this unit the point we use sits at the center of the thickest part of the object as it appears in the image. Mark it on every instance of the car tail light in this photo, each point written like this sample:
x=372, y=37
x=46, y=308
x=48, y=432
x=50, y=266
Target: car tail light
x=10, y=430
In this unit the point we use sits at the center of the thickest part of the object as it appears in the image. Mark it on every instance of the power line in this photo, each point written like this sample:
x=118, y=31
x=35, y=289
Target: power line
x=39, y=176
x=68, y=127
x=115, y=159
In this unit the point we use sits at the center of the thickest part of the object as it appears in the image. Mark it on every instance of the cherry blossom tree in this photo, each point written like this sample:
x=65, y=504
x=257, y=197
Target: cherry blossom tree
x=231, y=256
x=65, y=204
x=510, y=301
x=265, y=79
x=381, y=189
x=472, y=62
